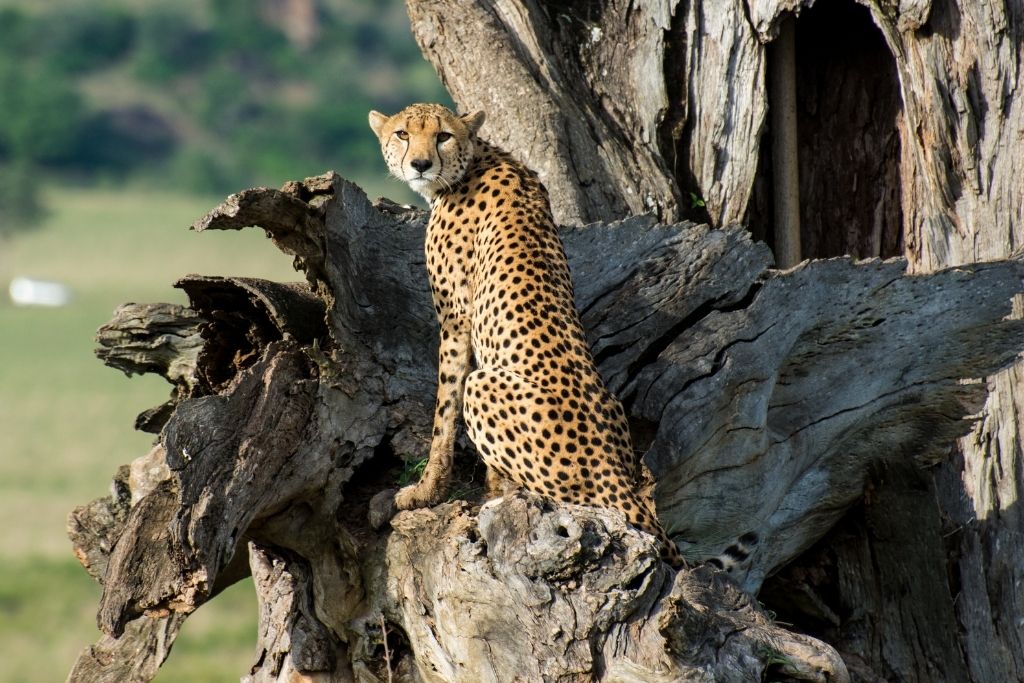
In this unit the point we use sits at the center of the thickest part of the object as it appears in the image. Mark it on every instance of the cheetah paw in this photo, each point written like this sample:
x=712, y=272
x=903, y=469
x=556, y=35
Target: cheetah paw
x=412, y=497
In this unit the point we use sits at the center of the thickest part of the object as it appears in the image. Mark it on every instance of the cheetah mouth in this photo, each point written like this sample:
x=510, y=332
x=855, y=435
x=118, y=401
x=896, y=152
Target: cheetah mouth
x=422, y=181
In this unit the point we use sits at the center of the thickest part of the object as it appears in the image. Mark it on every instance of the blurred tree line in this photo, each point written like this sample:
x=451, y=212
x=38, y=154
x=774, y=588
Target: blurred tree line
x=201, y=95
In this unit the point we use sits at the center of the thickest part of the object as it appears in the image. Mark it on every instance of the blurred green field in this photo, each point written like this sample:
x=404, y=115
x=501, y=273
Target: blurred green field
x=66, y=420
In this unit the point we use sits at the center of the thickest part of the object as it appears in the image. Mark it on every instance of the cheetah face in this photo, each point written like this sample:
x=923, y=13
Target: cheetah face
x=427, y=145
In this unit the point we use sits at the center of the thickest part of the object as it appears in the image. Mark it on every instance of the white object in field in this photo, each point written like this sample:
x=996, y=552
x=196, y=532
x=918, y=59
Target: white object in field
x=25, y=291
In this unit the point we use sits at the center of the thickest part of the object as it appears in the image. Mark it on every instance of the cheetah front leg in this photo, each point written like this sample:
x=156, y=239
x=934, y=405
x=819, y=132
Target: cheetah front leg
x=454, y=355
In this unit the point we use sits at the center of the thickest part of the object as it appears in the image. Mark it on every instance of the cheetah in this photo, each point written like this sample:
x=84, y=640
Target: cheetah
x=535, y=406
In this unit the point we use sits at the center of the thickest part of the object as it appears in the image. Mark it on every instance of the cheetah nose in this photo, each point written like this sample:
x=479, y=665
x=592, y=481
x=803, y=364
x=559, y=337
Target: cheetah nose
x=421, y=165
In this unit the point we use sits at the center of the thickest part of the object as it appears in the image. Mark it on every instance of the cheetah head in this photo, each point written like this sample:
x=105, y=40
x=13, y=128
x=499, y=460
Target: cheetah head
x=427, y=145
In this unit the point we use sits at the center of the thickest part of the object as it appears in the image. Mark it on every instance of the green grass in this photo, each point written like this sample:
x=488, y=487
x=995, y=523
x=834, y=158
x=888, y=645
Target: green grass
x=66, y=420
x=217, y=643
x=47, y=615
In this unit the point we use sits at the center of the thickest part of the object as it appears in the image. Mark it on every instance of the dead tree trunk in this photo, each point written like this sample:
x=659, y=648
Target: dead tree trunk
x=909, y=117
x=293, y=405
x=794, y=410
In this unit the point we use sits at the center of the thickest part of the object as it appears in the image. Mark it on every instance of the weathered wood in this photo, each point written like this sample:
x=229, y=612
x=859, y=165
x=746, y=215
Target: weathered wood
x=532, y=592
x=964, y=114
x=292, y=641
x=894, y=536
x=604, y=156
x=913, y=148
x=160, y=338
x=630, y=107
x=751, y=375
x=230, y=458
x=961, y=113
x=134, y=657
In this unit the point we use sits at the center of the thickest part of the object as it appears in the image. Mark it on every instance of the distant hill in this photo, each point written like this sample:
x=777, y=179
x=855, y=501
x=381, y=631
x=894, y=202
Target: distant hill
x=205, y=95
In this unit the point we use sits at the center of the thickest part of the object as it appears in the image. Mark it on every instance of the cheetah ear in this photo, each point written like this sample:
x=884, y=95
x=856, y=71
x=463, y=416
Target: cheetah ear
x=473, y=120
x=377, y=121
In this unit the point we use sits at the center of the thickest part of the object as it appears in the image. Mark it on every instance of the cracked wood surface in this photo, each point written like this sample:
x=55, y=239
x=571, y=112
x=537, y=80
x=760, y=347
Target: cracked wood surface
x=529, y=591
x=631, y=106
x=957, y=65
x=567, y=97
x=606, y=162
x=784, y=387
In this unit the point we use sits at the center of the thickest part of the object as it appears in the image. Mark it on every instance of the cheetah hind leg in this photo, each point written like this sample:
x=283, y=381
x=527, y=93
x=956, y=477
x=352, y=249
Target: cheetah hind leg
x=492, y=406
x=646, y=520
x=499, y=408
x=497, y=486
x=649, y=519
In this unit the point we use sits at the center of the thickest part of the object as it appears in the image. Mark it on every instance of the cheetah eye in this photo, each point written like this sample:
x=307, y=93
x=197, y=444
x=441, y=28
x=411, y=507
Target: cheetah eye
x=444, y=136
x=402, y=135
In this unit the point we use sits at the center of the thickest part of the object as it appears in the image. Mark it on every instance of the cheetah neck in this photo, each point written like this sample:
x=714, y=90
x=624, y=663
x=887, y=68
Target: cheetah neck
x=485, y=156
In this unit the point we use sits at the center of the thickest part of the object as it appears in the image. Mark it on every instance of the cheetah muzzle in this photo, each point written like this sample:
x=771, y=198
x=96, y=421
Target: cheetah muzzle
x=513, y=359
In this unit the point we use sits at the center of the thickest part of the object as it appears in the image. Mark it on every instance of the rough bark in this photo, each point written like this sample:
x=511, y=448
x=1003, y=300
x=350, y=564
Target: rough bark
x=527, y=592
x=968, y=205
x=630, y=109
x=959, y=79
x=606, y=163
x=944, y=168
x=304, y=400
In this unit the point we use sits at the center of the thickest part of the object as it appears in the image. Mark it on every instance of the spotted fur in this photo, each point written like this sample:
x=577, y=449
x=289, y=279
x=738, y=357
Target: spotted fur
x=535, y=406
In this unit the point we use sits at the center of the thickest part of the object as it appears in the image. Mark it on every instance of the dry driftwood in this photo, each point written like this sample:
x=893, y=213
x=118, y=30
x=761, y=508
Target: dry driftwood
x=763, y=400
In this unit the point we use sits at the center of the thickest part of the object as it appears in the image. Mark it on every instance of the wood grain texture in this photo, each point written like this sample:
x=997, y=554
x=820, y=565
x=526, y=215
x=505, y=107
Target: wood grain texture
x=958, y=68
x=785, y=386
x=598, y=159
x=954, y=197
x=530, y=591
x=962, y=85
